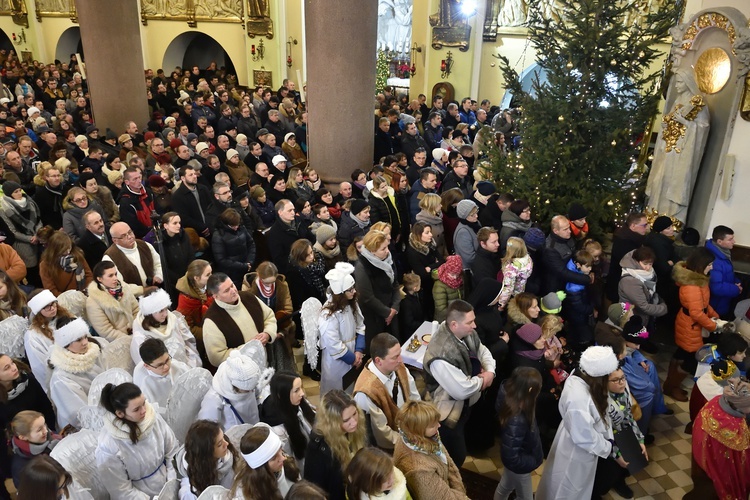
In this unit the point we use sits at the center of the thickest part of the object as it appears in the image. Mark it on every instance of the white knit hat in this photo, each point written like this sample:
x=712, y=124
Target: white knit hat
x=438, y=153
x=41, y=300
x=597, y=361
x=340, y=277
x=71, y=332
x=243, y=372
x=154, y=302
x=232, y=152
x=32, y=110
x=278, y=159
x=200, y=147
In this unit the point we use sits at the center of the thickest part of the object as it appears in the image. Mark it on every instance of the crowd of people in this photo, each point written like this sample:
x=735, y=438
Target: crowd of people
x=200, y=240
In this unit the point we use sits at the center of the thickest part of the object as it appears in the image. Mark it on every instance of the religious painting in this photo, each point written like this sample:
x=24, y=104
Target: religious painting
x=56, y=8
x=450, y=26
x=192, y=11
x=262, y=77
x=259, y=22
x=17, y=10
x=27, y=56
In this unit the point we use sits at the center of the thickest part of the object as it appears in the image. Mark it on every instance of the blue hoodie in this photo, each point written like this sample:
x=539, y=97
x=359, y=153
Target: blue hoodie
x=722, y=281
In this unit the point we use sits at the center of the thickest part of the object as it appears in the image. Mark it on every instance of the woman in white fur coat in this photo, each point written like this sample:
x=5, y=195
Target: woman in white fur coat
x=155, y=320
x=110, y=307
x=235, y=394
x=75, y=360
x=136, y=446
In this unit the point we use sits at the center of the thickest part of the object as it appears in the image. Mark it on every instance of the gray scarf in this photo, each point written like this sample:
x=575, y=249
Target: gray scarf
x=362, y=224
x=385, y=265
x=725, y=251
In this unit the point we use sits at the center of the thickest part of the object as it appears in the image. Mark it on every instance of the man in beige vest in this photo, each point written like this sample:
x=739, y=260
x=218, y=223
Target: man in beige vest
x=383, y=387
x=138, y=264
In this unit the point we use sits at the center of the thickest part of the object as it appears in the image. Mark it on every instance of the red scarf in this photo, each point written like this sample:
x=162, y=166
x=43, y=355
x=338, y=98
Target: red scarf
x=450, y=272
x=578, y=230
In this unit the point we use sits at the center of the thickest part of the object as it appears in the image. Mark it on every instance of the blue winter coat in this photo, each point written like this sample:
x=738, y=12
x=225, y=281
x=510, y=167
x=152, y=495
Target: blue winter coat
x=722, y=281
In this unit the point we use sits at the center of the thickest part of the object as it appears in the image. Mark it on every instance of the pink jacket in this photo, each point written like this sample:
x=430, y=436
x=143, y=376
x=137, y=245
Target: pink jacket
x=514, y=276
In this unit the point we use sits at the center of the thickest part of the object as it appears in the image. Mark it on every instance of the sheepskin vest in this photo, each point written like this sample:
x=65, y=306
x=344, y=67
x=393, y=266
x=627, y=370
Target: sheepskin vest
x=369, y=384
x=444, y=345
x=231, y=330
x=128, y=270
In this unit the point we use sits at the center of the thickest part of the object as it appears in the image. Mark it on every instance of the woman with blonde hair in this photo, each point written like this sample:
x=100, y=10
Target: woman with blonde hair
x=63, y=266
x=432, y=215
x=296, y=182
x=371, y=474
x=429, y=470
x=515, y=269
x=339, y=433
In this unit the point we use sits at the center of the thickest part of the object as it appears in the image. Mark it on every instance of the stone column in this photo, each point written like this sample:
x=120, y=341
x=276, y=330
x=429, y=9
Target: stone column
x=111, y=39
x=341, y=52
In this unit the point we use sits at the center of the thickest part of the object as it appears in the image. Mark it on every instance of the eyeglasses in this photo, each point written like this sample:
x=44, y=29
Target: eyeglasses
x=129, y=234
x=79, y=200
x=618, y=380
x=161, y=365
x=49, y=306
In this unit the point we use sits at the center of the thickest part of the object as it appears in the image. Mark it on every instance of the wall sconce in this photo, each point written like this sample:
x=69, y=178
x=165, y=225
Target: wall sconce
x=259, y=53
x=21, y=38
x=291, y=41
x=414, y=49
x=446, y=65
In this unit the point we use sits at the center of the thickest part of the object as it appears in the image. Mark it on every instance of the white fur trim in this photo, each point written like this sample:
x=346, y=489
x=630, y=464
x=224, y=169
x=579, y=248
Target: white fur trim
x=154, y=303
x=340, y=277
x=40, y=301
x=597, y=361
x=71, y=332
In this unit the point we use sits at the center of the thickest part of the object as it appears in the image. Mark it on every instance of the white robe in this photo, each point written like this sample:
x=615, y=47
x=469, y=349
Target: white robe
x=124, y=466
x=155, y=387
x=177, y=336
x=581, y=439
x=37, y=348
x=69, y=391
x=227, y=407
x=338, y=335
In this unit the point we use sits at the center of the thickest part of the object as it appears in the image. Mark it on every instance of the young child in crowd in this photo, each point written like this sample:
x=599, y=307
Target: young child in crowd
x=449, y=286
x=410, y=316
x=31, y=438
x=551, y=326
x=156, y=374
x=577, y=306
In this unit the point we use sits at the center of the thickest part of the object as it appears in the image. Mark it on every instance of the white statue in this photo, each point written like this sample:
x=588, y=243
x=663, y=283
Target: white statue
x=394, y=25
x=513, y=13
x=679, y=148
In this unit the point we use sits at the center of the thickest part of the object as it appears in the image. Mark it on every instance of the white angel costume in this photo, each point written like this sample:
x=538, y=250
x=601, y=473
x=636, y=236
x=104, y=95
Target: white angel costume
x=223, y=403
x=136, y=471
x=155, y=387
x=224, y=465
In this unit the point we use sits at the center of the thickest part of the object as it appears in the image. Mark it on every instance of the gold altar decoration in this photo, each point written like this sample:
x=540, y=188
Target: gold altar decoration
x=262, y=77
x=745, y=106
x=712, y=70
x=192, y=11
x=652, y=214
x=56, y=8
x=673, y=130
x=450, y=27
x=708, y=20
x=17, y=10
x=259, y=22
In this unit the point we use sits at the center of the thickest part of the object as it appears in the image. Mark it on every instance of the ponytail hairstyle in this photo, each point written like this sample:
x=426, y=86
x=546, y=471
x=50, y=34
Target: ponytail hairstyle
x=22, y=422
x=521, y=391
x=116, y=398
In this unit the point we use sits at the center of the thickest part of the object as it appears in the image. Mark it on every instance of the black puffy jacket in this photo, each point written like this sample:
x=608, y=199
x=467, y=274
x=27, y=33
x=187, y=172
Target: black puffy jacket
x=520, y=443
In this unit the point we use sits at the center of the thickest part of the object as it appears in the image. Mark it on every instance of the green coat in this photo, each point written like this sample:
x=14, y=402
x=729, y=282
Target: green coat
x=442, y=294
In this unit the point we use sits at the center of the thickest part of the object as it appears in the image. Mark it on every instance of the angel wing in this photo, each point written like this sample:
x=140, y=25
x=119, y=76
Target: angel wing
x=170, y=491
x=75, y=302
x=310, y=312
x=11, y=336
x=256, y=351
x=76, y=454
x=91, y=417
x=185, y=400
x=77, y=492
x=214, y=492
x=117, y=354
x=114, y=376
x=234, y=434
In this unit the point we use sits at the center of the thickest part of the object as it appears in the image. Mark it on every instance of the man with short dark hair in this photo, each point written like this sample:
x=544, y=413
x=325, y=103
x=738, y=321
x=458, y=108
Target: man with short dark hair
x=625, y=239
x=426, y=184
x=191, y=200
x=724, y=285
x=411, y=141
x=486, y=263
x=458, y=178
x=416, y=164
x=383, y=387
x=433, y=130
x=455, y=382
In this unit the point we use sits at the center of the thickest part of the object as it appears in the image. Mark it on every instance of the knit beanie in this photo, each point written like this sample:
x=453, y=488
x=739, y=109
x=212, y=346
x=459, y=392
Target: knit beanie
x=597, y=361
x=114, y=176
x=80, y=139
x=154, y=303
x=530, y=332
x=200, y=147
x=257, y=192
x=40, y=300
x=324, y=233
x=340, y=277
x=661, y=223
x=71, y=332
x=552, y=302
x=464, y=208
x=84, y=178
x=240, y=138
x=9, y=187
x=438, y=153
x=485, y=188
x=241, y=370
x=577, y=212
x=231, y=153
x=534, y=238
x=616, y=311
x=357, y=206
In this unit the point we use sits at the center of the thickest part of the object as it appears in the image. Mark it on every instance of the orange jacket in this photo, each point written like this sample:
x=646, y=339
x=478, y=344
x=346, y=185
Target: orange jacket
x=11, y=263
x=694, y=296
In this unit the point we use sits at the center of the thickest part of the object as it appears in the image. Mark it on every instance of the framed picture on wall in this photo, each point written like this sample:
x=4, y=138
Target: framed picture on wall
x=27, y=56
x=262, y=77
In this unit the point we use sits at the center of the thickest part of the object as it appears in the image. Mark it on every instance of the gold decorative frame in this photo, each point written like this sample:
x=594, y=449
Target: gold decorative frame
x=70, y=12
x=708, y=20
x=186, y=11
x=17, y=10
x=745, y=106
x=262, y=77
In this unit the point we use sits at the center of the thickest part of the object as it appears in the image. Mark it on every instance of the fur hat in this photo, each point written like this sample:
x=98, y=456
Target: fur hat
x=597, y=361
x=114, y=176
x=154, y=303
x=577, y=212
x=184, y=98
x=661, y=223
x=124, y=138
x=240, y=138
x=170, y=119
x=43, y=298
x=324, y=233
x=200, y=147
x=534, y=238
x=148, y=136
x=32, y=110
x=340, y=277
x=232, y=153
x=464, y=208
x=9, y=188
x=71, y=332
x=616, y=311
x=85, y=177
x=634, y=331
x=552, y=302
x=156, y=180
x=242, y=371
x=530, y=332
x=357, y=206
x=278, y=159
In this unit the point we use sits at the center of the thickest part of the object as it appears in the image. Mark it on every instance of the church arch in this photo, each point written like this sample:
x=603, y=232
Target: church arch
x=69, y=43
x=193, y=48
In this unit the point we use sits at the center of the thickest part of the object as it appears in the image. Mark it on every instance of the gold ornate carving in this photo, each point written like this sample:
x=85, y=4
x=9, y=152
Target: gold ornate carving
x=745, y=106
x=712, y=70
x=17, y=10
x=708, y=20
x=192, y=11
x=262, y=77
x=450, y=27
x=674, y=130
x=56, y=8
x=259, y=22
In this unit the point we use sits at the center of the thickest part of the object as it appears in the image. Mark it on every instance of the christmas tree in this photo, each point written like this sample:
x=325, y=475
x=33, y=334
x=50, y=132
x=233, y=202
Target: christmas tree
x=582, y=129
x=381, y=71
